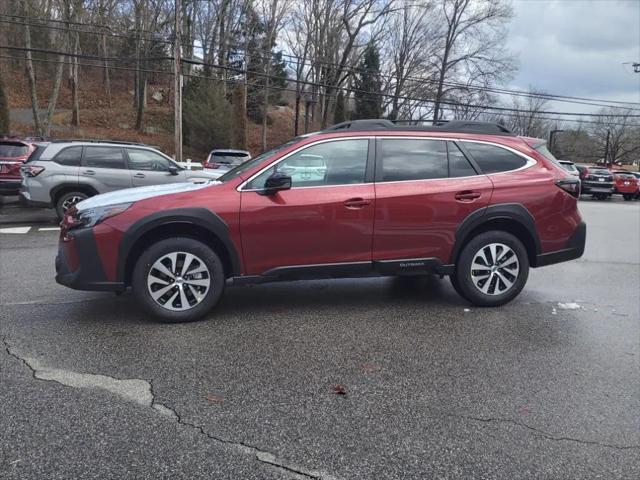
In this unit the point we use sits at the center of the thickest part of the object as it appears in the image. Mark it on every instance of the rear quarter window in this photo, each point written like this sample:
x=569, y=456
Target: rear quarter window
x=69, y=156
x=492, y=158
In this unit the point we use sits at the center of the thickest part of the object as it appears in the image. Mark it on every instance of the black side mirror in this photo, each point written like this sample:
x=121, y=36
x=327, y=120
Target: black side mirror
x=276, y=182
x=173, y=170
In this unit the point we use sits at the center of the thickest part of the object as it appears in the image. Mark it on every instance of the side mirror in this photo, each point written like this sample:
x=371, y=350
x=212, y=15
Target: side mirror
x=173, y=170
x=276, y=182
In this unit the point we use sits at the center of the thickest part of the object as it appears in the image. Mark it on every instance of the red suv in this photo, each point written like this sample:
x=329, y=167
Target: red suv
x=465, y=199
x=14, y=152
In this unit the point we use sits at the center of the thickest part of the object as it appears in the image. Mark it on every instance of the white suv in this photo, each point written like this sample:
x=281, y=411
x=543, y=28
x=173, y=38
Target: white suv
x=62, y=173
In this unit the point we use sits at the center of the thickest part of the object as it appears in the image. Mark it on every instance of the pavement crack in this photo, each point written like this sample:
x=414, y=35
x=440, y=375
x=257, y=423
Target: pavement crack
x=542, y=433
x=142, y=392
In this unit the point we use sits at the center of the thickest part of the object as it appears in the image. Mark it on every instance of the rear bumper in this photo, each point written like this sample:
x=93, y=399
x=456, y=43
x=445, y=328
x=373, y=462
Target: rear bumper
x=85, y=271
x=574, y=249
x=10, y=186
x=597, y=187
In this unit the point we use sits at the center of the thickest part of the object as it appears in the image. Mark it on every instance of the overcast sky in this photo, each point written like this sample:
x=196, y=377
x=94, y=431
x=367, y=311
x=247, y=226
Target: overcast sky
x=577, y=47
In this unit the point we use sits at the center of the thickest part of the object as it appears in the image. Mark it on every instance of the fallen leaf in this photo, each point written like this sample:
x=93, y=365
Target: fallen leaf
x=210, y=397
x=339, y=389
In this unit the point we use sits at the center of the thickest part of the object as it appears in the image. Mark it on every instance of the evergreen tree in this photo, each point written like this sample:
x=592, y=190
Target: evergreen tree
x=205, y=115
x=4, y=110
x=340, y=114
x=239, y=118
x=368, y=85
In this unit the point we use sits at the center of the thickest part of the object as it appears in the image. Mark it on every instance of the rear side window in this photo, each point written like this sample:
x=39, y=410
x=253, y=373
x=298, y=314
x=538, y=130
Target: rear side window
x=35, y=155
x=103, y=157
x=494, y=159
x=412, y=159
x=459, y=166
x=69, y=157
x=13, y=150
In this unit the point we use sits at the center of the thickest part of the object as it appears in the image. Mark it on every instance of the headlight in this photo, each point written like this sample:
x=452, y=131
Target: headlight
x=94, y=216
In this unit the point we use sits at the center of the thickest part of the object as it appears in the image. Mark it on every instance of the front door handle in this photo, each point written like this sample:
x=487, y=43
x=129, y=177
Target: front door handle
x=467, y=196
x=357, y=202
x=139, y=175
x=89, y=172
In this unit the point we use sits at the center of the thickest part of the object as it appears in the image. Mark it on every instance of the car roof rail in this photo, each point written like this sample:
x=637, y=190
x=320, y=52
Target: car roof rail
x=450, y=126
x=96, y=140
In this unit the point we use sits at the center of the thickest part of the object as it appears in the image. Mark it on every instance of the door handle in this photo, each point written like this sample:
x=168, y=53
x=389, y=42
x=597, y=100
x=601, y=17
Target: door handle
x=356, y=202
x=89, y=172
x=467, y=196
x=139, y=175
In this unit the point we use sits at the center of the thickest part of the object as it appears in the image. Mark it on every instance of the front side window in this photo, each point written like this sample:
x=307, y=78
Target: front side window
x=412, y=159
x=103, y=157
x=338, y=162
x=69, y=157
x=494, y=159
x=147, y=160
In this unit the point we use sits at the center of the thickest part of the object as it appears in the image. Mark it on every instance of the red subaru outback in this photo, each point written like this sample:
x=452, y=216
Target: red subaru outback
x=468, y=200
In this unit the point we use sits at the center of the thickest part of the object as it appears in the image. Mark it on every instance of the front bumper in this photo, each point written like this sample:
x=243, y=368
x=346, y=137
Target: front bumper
x=574, y=249
x=78, y=264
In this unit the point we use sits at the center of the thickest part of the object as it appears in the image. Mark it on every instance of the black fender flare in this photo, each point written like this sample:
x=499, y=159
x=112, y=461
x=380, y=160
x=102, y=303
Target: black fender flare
x=515, y=212
x=201, y=217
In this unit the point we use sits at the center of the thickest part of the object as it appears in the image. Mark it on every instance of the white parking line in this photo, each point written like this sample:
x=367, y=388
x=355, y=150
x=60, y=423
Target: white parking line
x=15, y=230
x=49, y=229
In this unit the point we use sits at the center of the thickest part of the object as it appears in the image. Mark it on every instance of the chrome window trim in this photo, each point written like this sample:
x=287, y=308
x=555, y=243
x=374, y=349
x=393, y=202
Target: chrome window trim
x=239, y=188
x=530, y=162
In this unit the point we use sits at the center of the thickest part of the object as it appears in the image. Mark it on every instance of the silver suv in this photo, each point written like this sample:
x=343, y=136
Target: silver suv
x=62, y=173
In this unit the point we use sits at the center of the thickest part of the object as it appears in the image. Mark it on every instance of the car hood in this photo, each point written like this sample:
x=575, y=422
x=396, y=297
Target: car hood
x=129, y=195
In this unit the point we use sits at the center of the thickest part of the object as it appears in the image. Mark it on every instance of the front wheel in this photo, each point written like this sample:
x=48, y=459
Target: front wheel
x=68, y=200
x=628, y=197
x=178, y=279
x=492, y=269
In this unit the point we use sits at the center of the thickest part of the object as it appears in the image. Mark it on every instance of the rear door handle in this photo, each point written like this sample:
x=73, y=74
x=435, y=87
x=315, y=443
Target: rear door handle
x=467, y=196
x=89, y=172
x=139, y=175
x=356, y=202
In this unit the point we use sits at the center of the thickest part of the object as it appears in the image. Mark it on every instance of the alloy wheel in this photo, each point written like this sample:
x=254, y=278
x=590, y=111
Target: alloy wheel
x=494, y=269
x=178, y=281
x=71, y=201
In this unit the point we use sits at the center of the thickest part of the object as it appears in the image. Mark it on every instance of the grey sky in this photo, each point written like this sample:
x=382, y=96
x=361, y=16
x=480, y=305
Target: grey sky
x=577, y=47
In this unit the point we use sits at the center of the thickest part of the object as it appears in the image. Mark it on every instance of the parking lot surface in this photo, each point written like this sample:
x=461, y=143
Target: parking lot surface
x=342, y=379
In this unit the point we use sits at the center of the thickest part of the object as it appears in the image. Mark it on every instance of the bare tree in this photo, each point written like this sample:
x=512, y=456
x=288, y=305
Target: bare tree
x=617, y=135
x=528, y=118
x=470, y=45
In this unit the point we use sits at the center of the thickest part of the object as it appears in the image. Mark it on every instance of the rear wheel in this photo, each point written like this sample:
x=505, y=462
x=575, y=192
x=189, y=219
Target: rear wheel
x=628, y=196
x=178, y=280
x=601, y=196
x=492, y=269
x=68, y=200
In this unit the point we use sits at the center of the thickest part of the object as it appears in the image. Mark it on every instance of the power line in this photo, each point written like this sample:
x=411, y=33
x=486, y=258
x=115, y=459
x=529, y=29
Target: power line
x=352, y=69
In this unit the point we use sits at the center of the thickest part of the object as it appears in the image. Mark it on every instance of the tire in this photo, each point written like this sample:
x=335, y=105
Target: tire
x=515, y=269
x=201, y=293
x=67, y=200
x=627, y=197
x=601, y=196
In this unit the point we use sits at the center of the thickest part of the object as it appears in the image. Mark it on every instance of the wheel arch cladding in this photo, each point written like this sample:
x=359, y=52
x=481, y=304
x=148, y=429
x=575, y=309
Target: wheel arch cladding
x=197, y=223
x=513, y=218
x=64, y=188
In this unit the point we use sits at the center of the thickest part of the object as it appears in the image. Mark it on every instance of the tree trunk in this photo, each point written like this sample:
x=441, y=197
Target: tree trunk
x=75, y=102
x=53, y=99
x=142, y=100
x=106, y=81
x=32, y=81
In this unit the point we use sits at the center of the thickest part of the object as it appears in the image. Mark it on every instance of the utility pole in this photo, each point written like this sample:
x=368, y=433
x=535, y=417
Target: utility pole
x=606, y=149
x=177, y=81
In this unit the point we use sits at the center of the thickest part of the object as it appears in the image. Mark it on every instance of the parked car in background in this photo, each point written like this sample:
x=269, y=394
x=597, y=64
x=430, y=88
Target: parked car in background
x=466, y=199
x=14, y=151
x=221, y=161
x=570, y=167
x=63, y=173
x=637, y=175
x=626, y=184
x=597, y=181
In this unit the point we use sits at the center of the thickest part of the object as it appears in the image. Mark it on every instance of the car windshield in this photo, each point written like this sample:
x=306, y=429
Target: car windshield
x=233, y=158
x=234, y=172
x=13, y=150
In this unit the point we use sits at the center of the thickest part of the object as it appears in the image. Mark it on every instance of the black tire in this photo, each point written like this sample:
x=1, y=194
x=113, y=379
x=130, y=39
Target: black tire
x=68, y=199
x=158, y=251
x=627, y=197
x=601, y=196
x=464, y=283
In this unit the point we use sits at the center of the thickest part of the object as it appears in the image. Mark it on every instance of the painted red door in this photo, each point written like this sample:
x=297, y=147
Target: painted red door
x=421, y=198
x=326, y=217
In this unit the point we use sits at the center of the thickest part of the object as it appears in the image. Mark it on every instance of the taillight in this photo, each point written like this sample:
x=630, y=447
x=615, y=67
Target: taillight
x=570, y=185
x=32, y=170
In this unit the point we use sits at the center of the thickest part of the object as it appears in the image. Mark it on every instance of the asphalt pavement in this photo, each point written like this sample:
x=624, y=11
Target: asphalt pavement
x=339, y=379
